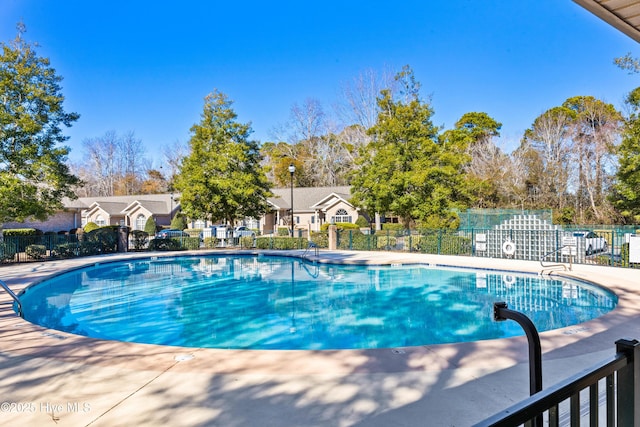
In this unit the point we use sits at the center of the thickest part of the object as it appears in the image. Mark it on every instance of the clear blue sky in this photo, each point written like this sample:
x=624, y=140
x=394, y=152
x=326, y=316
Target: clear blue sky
x=145, y=66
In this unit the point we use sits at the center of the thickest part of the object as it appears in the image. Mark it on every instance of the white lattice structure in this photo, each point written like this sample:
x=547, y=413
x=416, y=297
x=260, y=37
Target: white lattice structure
x=530, y=238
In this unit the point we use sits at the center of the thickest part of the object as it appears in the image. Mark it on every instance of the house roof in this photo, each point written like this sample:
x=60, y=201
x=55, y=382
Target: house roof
x=110, y=207
x=621, y=14
x=306, y=198
x=156, y=203
x=154, y=206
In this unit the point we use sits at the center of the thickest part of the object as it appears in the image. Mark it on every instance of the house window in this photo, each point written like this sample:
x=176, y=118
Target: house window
x=199, y=224
x=341, y=216
x=313, y=219
x=141, y=220
x=100, y=221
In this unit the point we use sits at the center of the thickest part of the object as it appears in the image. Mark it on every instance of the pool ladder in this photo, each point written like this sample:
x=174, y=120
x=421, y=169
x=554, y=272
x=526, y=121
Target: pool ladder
x=12, y=295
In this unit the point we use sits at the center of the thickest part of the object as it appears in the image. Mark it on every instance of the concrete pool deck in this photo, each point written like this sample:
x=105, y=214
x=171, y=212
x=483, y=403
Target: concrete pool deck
x=52, y=378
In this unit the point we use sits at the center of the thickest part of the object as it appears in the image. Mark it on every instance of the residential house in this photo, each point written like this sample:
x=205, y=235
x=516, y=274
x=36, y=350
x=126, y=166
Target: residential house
x=311, y=208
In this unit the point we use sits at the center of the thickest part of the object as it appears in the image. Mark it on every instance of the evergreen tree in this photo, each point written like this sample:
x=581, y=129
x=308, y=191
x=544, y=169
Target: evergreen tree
x=221, y=178
x=626, y=196
x=33, y=175
x=150, y=226
x=405, y=169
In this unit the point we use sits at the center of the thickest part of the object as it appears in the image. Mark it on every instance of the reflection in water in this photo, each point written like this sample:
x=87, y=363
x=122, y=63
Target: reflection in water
x=284, y=303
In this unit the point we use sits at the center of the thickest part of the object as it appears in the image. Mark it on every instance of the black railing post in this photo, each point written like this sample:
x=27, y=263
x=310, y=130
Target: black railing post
x=628, y=379
x=501, y=312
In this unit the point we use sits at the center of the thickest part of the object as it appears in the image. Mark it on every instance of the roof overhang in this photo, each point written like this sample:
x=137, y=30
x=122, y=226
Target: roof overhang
x=621, y=14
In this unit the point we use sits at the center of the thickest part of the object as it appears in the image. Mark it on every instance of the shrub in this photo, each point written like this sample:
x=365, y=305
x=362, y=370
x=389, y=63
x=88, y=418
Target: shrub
x=281, y=243
x=7, y=251
x=36, y=251
x=386, y=242
x=282, y=231
x=179, y=222
x=443, y=243
x=340, y=226
x=67, y=250
x=247, y=242
x=211, y=242
x=90, y=227
x=164, y=245
x=21, y=232
x=320, y=239
x=388, y=226
x=20, y=238
x=140, y=239
x=150, y=226
x=102, y=240
x=355, y=240
x=362, y=222
x=190, y=243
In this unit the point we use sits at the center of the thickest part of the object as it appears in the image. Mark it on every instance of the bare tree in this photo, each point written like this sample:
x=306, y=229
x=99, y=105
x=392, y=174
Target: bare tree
x=173, y=156
x=113, y=165
x=358, y=103
x=550, y=135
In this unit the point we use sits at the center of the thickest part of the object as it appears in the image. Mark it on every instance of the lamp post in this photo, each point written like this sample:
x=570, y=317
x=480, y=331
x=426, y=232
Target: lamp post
x=171, y=209
x=292, y=169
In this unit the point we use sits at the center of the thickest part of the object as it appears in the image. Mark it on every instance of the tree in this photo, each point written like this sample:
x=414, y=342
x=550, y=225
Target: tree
x=488, y=164
x=115, y=165
x=404, y=169
x=150, y=227
x=221, y=178
x=627, y=188
x=594, y=132
x=550, y=137
x=33, y=175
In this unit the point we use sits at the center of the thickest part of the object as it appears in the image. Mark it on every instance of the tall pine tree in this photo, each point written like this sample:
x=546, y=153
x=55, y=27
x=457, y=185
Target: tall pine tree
x=221, y=179
x=33, y=175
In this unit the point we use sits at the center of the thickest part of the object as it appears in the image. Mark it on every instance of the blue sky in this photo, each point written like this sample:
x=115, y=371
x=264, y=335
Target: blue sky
x=146, y=66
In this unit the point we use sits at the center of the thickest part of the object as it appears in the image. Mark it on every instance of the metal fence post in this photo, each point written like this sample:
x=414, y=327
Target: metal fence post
x=628, y=381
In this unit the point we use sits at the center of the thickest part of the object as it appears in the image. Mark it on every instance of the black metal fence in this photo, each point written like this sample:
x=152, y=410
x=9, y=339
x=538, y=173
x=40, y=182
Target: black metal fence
x=610, y=390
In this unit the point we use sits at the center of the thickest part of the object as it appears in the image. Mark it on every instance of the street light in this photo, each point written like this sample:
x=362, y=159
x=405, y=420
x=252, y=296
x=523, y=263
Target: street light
x=292, y=169
x=171, y=209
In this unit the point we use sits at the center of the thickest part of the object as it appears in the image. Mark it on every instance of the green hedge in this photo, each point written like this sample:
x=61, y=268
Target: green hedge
x=103, y=240
x=36, y=251
x=281, y=243
x=340, y=225
x=140, y=239
x=211, y=242
x=175, y=244
x=7, y=251
x=320, y=239
x=443, y=243
x=165, y=245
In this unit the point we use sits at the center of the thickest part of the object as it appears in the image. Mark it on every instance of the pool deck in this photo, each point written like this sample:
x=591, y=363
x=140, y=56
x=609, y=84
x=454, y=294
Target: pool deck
x=54, y=378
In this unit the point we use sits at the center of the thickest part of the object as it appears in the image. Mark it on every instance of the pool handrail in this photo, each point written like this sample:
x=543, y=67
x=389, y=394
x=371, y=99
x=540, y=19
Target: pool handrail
x=12, y=295
x=312, y=245
x=550, y=267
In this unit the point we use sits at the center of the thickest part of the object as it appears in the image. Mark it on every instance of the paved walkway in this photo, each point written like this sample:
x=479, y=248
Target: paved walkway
x=54, y=378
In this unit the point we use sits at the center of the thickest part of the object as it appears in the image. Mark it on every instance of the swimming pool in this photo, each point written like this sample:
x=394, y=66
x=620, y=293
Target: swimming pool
x=269, y=302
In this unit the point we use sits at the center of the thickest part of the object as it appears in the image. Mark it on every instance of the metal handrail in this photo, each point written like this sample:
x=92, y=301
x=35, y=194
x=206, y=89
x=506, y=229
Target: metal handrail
x=12, y=295
x=550, y=266
x=621, y=373
x=310, y=246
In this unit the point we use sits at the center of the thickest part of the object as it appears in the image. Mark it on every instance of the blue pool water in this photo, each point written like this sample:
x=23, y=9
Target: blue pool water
x=265, y=302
